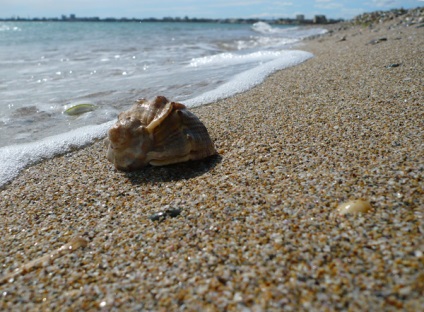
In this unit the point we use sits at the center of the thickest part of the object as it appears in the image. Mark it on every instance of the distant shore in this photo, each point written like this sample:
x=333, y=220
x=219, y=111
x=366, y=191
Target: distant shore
x=256, y=227
x=365, y=18
x=317, y=20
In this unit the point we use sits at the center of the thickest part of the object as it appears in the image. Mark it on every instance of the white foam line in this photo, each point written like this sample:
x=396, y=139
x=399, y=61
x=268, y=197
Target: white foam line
x=14, y=158
x=231, y=58
x=250, y=78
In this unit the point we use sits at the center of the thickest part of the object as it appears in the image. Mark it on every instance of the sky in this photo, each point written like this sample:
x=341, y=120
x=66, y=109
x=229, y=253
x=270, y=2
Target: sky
x=345, y=9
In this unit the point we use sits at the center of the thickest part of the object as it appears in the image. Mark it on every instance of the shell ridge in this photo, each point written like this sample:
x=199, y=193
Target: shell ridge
x=169, y=135
x=160, y=117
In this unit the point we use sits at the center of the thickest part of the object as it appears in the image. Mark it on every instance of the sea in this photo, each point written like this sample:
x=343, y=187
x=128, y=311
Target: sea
x=47, y=68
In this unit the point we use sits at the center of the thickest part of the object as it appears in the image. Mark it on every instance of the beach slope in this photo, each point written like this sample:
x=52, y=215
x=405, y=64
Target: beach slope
x=255, y=227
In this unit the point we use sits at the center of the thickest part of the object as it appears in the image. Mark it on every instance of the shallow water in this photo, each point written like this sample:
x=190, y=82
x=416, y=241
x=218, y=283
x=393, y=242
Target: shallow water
x=48, y=67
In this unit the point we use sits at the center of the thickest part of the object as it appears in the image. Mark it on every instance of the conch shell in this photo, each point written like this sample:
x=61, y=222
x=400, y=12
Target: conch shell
x=158, y=133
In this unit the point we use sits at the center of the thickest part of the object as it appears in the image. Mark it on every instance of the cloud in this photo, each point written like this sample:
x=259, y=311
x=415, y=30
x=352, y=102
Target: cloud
x=328, y=5
x=233, y=3
x=351, y=12
x=282, y=3
x=385, y=3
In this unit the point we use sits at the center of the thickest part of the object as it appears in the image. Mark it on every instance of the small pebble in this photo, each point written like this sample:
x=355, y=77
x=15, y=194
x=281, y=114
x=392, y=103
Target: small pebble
x=375, y=41
x=162, y=215
x=354, y=206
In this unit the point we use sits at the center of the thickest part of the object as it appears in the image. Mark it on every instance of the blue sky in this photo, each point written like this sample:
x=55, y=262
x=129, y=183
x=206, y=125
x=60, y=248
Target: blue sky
x=199, y=8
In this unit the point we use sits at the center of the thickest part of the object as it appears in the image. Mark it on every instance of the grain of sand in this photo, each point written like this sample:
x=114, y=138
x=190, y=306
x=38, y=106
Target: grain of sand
x=258, y=228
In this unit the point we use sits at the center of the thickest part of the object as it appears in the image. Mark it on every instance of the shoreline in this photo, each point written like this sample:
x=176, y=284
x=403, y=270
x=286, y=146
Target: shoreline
x=257, y=225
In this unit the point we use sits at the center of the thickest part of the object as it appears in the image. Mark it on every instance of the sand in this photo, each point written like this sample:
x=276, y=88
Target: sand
x=255, y=228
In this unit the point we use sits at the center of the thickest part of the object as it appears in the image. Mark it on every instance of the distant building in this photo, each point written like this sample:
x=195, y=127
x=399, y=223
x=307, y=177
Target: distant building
x=72, y=17
x=300, y=17
x=320, y=19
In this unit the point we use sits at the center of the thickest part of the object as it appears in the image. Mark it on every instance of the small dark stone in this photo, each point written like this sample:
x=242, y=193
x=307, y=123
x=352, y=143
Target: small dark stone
x=393, y=65
x=375, y=41
x=157, y=216
x=162, y=215
x=222, y=280
x=173, y=212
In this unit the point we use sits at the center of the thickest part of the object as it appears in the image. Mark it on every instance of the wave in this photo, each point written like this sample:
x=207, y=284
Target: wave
x=291, y=32
x=233, y=59
x=265, y=28
x=9, y=28
x=250, y=78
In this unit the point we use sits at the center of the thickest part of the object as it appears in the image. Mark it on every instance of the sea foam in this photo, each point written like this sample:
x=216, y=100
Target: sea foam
x=14, y=158
x=248, y=79
x=233, y=58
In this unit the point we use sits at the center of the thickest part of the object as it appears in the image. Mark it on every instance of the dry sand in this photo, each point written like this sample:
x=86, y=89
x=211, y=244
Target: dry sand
x=258, y=228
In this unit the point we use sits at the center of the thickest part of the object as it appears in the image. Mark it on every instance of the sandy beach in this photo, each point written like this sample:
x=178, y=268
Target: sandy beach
x=255, y=228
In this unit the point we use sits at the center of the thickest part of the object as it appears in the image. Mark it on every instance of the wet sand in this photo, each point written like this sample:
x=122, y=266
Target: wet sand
x=255, y=228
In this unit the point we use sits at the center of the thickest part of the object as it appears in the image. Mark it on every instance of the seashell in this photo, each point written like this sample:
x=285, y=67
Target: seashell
x=354, y=206
x=157, y=132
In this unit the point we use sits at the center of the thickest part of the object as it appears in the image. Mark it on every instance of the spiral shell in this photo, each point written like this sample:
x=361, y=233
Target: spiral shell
x=158, y=133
